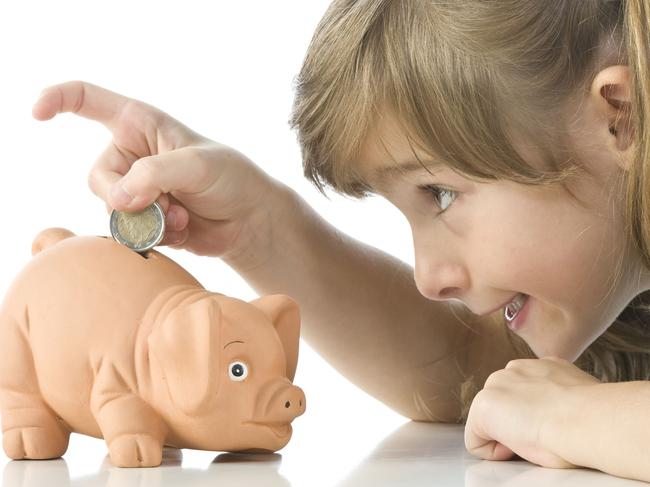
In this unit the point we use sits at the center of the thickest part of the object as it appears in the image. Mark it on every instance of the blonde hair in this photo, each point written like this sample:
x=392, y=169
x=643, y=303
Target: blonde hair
x=463, y=77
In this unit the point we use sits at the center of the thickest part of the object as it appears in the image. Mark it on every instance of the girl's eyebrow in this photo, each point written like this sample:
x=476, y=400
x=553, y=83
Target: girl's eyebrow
x=382, y=174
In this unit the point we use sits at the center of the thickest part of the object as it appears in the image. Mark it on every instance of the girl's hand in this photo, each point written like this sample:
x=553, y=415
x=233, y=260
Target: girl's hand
x=519, y=407
x=215, y=199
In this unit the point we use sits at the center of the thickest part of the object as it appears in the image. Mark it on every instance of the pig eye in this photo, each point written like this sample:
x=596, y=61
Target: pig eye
x=238, y=371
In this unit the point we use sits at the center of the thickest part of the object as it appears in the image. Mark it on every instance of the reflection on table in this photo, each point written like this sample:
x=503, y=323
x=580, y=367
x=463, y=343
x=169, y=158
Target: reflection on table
x=414, y=454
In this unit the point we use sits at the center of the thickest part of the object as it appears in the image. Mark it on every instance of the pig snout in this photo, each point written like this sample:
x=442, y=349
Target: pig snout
x=287, y=405
x=280, y=402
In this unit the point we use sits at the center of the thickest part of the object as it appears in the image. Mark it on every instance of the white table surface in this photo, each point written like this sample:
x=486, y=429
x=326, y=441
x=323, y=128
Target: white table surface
x=412, y=454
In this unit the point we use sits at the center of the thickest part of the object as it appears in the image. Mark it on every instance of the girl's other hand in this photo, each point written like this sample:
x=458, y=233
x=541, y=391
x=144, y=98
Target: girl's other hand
x=522, y=408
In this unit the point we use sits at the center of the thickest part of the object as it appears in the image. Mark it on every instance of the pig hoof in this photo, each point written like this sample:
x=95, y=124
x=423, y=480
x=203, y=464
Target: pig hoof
x=138, y=450
x=34, y=442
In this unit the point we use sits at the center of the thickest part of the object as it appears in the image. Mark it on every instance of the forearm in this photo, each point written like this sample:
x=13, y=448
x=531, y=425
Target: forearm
x=360, y=308
x=607, y=427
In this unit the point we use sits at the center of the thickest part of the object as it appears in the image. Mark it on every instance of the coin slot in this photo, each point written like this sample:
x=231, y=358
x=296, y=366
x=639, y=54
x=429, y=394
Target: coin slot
x=141, y=254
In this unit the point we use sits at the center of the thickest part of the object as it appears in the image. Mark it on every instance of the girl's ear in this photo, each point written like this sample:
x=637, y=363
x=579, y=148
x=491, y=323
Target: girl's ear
x=611, y=88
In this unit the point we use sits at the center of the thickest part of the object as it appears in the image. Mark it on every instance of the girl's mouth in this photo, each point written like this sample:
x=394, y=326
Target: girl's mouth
x=514, y=311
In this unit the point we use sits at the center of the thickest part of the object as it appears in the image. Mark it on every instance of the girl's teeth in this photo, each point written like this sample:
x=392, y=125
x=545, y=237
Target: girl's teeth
x=513, y=308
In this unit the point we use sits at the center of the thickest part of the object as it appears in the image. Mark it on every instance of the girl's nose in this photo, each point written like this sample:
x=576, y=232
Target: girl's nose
x=440, y=279
x=440, y=271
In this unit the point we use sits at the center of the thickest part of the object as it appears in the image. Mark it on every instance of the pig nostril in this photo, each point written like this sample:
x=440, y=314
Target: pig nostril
x=300, y=402
x=287, y=404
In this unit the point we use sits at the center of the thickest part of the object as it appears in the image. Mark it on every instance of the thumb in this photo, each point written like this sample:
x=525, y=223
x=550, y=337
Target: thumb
x=185, y=170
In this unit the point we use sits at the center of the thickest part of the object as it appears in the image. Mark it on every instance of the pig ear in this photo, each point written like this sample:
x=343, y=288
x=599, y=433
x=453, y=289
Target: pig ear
x=186, y=345
x=285, y=315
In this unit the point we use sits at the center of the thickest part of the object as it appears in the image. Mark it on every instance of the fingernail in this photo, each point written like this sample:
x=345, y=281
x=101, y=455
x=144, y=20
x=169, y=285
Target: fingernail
x=121, y=196
x=171, y=220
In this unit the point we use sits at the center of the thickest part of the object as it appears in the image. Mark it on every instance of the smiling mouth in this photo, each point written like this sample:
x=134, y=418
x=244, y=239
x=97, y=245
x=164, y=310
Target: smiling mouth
x=280, y=430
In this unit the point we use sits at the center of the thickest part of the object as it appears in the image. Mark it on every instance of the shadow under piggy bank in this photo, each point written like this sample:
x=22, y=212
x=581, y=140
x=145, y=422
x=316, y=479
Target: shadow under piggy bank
x=100, y=340
x=225, y=469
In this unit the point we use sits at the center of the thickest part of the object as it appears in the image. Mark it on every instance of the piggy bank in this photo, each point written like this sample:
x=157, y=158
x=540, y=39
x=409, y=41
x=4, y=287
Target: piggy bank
x=100, y=340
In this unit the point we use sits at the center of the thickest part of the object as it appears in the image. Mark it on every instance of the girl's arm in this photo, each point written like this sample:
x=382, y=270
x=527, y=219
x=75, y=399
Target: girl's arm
x=609, y=429
x=362, y=312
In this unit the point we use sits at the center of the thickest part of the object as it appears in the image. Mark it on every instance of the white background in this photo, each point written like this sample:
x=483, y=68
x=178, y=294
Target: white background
x=224, y=68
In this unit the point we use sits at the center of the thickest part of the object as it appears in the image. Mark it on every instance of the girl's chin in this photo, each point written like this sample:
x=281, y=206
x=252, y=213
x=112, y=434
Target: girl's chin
x=552, y=350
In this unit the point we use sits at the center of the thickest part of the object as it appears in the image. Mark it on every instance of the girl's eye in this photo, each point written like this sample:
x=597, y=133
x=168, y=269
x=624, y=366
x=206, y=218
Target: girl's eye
x=441, y=196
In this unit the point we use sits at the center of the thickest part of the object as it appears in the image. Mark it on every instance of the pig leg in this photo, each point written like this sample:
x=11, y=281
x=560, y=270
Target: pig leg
x=134, y=432
x=30, y=429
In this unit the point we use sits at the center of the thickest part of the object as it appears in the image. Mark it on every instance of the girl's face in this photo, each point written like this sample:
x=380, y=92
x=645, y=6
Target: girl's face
x=497, y=239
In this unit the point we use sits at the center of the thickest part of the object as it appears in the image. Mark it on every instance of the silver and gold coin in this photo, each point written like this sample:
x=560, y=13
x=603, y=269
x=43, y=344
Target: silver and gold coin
x=141, y=230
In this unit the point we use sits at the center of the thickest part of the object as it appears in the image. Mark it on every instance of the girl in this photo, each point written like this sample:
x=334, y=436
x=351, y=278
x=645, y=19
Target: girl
x=513, y=136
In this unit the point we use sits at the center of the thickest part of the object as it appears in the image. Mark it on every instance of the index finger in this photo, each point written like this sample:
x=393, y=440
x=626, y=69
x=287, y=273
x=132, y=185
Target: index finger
x=82, y=98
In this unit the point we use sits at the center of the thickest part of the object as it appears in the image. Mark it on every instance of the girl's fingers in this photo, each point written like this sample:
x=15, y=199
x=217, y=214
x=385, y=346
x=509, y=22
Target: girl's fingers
x=175, y=239
x=163, y=201
x=111, y=165
x=135, y=124
x=110, y=168
x=176, y=222
x=176, y=218
x=82, y=98
x=180, y=170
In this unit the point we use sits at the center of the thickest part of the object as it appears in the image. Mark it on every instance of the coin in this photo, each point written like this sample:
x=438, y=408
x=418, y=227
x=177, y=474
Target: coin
x=141, y=230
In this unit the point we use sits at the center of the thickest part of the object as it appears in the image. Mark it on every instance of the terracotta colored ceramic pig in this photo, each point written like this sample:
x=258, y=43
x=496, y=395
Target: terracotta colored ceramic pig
x=100, y=340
